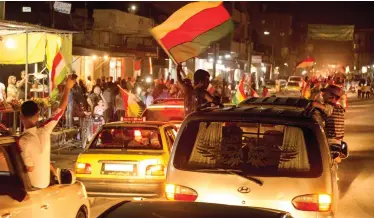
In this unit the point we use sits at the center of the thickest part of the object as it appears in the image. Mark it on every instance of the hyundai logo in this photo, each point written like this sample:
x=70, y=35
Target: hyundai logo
x=244, y=190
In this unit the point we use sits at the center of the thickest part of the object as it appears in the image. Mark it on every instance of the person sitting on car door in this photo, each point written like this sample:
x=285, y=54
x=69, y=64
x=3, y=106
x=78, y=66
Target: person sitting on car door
x=334, y=123
x=198, y=94
x=34, y=143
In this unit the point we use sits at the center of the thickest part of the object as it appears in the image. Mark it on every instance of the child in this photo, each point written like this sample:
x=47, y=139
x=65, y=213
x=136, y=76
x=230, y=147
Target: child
x=334, y=123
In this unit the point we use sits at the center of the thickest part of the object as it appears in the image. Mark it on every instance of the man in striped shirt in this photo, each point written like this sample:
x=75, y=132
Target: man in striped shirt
x=334, y=123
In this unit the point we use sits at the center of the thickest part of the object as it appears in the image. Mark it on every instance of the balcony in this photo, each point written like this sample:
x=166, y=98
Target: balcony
x=122, y=23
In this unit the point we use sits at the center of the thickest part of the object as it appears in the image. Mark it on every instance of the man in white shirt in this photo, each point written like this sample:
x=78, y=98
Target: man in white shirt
x=35, y=144
x=89, y=84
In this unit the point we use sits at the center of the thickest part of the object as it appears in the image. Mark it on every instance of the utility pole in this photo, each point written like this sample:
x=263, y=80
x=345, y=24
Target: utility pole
x=215, y=55
x=272, y=50
x=2, y=10
x=52, y=14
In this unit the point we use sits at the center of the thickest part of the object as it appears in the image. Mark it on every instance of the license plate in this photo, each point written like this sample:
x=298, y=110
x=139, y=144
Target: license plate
x=119, y=167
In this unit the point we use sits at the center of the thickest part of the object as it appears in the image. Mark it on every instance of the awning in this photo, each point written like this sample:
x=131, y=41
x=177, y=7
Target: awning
x=114, y=52
x=8, y=27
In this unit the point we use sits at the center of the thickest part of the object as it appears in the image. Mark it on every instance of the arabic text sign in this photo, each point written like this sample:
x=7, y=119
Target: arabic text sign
x=62, y=7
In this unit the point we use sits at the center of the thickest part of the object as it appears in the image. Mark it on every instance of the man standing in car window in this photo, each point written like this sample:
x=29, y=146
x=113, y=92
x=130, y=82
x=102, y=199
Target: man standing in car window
x=35, y=142
x=334, y=123
x=196, y=95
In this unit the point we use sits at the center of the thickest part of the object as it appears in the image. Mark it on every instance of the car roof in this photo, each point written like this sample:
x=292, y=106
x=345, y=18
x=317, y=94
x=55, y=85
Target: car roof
x=270, y=107
x=182, y=209
x=168, y=101
x=135, y=123
x=4, y=140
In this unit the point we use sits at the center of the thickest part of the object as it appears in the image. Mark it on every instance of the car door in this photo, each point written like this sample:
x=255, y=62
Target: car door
x=169, y=133
x=14, y=200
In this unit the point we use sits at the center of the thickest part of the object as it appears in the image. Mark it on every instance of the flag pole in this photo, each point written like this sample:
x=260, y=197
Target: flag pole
x=166, y=51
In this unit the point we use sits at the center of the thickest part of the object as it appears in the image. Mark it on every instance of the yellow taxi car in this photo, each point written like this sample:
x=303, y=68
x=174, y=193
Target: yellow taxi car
x=127, y=159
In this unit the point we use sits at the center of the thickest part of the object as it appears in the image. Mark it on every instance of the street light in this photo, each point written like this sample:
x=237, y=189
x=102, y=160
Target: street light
x=285, y=64
x=266, y=33
x=106, y=57
x=132, y=9
x=94, y=57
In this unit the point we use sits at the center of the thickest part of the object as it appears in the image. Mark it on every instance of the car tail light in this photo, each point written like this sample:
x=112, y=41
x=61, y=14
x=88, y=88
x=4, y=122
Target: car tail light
x=83, y=168
x=180, y=193
x=318, y=202
x=155, y=170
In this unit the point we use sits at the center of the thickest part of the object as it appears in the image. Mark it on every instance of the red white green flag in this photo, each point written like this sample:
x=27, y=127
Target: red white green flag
x=239, y=94
x=59, y=71
x=192, y=29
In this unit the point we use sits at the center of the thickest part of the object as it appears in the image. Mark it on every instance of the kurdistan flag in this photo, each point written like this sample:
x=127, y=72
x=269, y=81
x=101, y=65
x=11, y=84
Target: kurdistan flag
x=59, y=71
x=134, y=107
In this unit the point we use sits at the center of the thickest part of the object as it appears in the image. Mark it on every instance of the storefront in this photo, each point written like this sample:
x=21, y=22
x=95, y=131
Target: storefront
x=98, y=63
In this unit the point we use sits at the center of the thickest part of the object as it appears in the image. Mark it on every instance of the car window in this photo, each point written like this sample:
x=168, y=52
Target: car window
x=293, y=84
x=128, y=138
x=297, y=79
x=4, y=167
x=170, y=137
x=164, y=114
x=258, y=148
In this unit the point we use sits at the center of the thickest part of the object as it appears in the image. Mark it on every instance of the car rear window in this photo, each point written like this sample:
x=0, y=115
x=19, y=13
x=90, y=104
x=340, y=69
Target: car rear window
x=293, y=84
x=256, y=148
x=128, y=138
x=164, y=114
x=297, y=79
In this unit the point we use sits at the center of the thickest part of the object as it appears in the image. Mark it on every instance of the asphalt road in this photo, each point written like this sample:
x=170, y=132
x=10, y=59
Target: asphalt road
x=356, y=173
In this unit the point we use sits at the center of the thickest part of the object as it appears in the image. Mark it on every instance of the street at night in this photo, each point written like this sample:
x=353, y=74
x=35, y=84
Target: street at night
x=355, y=173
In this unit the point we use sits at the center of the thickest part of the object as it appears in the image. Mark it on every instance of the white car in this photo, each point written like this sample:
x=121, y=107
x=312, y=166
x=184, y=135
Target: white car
x=267, y=152
x=18, y=199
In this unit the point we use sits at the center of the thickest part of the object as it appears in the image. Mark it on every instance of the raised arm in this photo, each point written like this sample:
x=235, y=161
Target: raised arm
x=65, y=96
x=179, y=78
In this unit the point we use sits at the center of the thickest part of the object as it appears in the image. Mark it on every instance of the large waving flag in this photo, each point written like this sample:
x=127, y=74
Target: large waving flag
x=190, y=30
x=240, y=94
x=309, y=62
x=133, y=106
x=59, y=71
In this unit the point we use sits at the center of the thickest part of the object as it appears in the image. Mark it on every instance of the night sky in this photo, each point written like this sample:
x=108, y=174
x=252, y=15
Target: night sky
x=356, y=13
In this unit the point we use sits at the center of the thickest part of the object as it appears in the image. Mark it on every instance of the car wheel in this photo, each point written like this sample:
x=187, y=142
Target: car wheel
x=81, y=214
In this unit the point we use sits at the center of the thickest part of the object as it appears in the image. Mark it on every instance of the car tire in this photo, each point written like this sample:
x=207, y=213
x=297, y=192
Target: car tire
x=81, y=214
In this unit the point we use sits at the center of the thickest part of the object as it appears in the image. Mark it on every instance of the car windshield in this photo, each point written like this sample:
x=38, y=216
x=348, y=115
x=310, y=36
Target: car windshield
x=127, y=138
x=271, y=82
x=293, y=84
x=164, y=114
x=255, y=148
x=297, y=79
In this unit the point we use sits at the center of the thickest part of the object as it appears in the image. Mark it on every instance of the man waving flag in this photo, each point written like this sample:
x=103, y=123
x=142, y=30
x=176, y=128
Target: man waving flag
x=133, y=105
x=192, y=29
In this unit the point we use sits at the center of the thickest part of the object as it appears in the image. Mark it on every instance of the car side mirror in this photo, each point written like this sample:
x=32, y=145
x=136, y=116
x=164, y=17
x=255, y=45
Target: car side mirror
x=66, y=177
x=344, y=153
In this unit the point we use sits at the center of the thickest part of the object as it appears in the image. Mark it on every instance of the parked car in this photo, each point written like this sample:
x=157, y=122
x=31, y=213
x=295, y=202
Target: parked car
x=169, y=209
x=20, y=200
x=297, y=79
x=127, y=159
x=267, y=152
